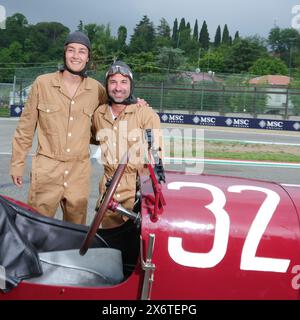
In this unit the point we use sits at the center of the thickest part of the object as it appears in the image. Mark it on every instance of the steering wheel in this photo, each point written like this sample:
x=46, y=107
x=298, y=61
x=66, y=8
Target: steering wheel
x=104, y=205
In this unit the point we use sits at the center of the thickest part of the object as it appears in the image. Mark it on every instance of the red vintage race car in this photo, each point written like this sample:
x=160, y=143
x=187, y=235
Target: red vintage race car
x=194, y=237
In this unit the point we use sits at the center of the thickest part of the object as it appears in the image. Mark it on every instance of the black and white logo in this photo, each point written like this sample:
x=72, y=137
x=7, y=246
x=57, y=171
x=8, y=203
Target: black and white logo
x=296, y=126
x=164, y=118
x=229, y=122
x=196, y=120
x=262, y=124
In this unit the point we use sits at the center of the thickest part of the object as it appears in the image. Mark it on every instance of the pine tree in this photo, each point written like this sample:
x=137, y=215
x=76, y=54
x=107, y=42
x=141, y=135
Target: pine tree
x=236, y=37
x=80, y=26
x=196, y=32
x=143, y=37
x=218, y=37
x=163, y=30
x=175, y=32
x=122, y=36
x=163, y=34
x=204, y=36
x=182, y=25
x=225, y=36
x=188, y=27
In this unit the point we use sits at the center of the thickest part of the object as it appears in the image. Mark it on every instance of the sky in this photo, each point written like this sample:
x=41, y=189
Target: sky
x=249, y=17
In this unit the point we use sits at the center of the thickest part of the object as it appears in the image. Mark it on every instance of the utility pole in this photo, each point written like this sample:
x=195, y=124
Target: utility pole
x=178, y=39
x=291, y=55
x=208, y=59
x=199, y=58
x=290, y=59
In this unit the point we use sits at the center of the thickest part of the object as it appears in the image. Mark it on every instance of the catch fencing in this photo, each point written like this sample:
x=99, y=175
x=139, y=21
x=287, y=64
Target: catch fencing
x=212, y=96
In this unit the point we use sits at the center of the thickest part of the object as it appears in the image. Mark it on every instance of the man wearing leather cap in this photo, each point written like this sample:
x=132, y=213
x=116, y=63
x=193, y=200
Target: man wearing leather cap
x=120, y=126
x=60, y=105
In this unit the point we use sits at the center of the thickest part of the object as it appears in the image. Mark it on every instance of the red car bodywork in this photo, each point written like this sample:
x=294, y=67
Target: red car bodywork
x=217, y=238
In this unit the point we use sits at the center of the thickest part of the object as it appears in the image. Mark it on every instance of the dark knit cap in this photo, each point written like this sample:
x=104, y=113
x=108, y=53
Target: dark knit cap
x=78, y=37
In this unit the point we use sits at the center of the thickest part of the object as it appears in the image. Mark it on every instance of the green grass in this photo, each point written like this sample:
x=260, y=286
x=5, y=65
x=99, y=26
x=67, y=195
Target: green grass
x=4, y=112
x=276, y=157
x=243, y=151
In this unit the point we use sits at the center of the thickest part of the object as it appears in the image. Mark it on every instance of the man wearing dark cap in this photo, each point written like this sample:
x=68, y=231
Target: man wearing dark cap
x=120, y=126
x=60, y=105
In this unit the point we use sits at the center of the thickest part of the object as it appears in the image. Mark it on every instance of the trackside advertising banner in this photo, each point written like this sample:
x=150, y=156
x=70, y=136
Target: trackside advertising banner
x=213, y=121
x=234, y=122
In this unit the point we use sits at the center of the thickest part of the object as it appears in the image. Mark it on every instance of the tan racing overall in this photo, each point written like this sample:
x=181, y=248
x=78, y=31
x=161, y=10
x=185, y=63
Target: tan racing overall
x=61, y=167
x=126, y=133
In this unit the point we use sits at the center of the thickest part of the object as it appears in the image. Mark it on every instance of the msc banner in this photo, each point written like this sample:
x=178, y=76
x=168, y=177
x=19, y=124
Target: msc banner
x=212, y=121
x=16, y=110
x=233, y=122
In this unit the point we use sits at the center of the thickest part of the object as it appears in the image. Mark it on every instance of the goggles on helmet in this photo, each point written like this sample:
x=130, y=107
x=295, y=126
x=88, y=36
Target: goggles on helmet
x=119, y=69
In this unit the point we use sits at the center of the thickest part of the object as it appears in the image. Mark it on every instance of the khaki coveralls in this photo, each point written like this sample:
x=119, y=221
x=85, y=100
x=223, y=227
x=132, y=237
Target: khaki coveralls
x=126, y=133
x=61, y=167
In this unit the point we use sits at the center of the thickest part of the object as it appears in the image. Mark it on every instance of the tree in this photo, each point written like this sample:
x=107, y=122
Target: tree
x=163, y=34
x=170, y=58
x=164, y=30
x=225, y=36
x=283, y=41
x=269, y=65
x=181, y=25
x=90, y=30
x=16, y=30
x=184, y=37
x=122, y=36
x=14, y=53
x=143, y=62
x=212, y=61
x=204, y=36
x=243, y=54
x=196, y=32
x=175, y=33
x=236, y=37
x=217, y=41
x=143, y=37
x=80, y=26
x=104, y=46
x=45, y=41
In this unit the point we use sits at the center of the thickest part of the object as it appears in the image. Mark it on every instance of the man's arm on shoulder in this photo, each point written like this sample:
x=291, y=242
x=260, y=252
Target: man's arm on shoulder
x=142, y=102
x=103, y=99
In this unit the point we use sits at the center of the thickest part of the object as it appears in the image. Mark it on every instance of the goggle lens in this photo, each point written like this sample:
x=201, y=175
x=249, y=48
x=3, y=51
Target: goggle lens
x=119, y=69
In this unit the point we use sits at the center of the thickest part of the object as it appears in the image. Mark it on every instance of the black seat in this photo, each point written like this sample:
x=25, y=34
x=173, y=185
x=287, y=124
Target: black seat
x=24, y=234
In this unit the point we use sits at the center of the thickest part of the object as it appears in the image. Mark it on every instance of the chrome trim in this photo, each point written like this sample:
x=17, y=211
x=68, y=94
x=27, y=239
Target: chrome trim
x=148, y=267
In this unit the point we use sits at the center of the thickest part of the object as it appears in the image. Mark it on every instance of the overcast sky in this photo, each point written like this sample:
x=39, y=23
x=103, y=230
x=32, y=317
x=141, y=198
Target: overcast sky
x=249, y=17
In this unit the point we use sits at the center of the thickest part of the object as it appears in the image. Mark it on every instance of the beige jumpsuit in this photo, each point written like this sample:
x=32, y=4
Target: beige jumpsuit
x=126, y=133
x=61, y=167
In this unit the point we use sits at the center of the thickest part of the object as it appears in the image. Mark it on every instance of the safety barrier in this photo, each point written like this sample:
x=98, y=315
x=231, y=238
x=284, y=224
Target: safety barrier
x=211, y=121
x=229, y=122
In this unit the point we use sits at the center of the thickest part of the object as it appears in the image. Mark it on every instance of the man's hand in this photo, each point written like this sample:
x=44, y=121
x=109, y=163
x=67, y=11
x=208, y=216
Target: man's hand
x=17, y=180
x=142, y=102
